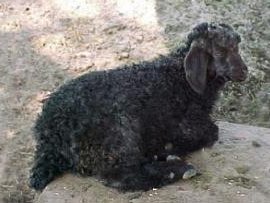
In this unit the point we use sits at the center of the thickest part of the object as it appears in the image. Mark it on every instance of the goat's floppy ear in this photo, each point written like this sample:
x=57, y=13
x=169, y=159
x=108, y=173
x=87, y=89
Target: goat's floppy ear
x=195, y=63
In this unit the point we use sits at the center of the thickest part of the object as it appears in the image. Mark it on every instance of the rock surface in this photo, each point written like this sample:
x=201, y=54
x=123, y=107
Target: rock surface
x=236, y=169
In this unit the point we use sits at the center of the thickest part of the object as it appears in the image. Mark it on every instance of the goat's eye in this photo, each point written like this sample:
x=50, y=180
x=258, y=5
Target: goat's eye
x=222, y=50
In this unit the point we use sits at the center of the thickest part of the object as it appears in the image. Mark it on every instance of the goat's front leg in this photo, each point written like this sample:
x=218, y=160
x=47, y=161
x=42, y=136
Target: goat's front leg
x=194, y=132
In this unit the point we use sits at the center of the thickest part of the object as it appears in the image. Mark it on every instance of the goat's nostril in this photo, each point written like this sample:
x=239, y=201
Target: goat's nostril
x=244, y=71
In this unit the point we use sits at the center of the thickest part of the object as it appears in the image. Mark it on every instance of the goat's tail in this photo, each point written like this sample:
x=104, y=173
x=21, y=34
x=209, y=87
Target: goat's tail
x=48, y=163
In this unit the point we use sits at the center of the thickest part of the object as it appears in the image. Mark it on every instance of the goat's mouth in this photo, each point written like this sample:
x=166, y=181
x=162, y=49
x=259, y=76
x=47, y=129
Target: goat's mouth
x=238, y=78
x=239, y=74
x=223, y=78
x=227, y=78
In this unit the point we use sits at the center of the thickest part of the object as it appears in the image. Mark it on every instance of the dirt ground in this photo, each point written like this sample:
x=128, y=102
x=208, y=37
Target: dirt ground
x=45, y=43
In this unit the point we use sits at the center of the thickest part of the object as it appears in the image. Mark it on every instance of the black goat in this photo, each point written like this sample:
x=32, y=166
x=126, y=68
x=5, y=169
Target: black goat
x=121, y=125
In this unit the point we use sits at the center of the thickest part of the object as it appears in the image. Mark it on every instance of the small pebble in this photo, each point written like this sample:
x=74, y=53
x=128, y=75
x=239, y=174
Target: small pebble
x=215, y=154
x=123, y=55
x=242, y=169
x=255, y=144
x=134, y=195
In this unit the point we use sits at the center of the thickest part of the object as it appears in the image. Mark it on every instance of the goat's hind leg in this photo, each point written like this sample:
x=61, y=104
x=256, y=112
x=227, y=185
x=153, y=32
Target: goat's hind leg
x=125, y=166
x=153, y=175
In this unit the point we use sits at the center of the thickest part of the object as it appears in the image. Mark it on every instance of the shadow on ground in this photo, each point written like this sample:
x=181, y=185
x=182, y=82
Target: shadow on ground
x=25, y=80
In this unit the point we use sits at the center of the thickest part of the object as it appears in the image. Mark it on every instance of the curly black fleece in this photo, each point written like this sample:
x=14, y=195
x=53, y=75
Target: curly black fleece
x=112, y=123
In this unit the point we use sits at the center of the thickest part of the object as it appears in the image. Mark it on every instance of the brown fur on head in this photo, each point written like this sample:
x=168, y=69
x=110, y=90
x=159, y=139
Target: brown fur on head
x=213, y=53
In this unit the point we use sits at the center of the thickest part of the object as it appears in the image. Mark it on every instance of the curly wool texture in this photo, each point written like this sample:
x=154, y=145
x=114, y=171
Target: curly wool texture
x=112, y=123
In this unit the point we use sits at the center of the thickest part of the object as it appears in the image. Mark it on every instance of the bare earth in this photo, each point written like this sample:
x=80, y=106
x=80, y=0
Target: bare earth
x=47, y=42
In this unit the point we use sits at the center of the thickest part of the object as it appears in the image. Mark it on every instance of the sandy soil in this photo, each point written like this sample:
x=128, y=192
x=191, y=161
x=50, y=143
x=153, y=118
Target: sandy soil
x=45, y=43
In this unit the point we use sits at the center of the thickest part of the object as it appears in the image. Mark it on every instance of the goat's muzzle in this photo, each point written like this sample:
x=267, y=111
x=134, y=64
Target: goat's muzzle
x=239, y=69
x=240, y=75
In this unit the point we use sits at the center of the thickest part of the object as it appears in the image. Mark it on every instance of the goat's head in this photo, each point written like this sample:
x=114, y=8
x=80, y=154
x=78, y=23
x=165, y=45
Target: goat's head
x=213, y=53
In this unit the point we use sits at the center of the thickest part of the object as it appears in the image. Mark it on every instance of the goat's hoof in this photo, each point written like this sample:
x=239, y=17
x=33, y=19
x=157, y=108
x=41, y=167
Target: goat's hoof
x=190, y=172
x=173, y=158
